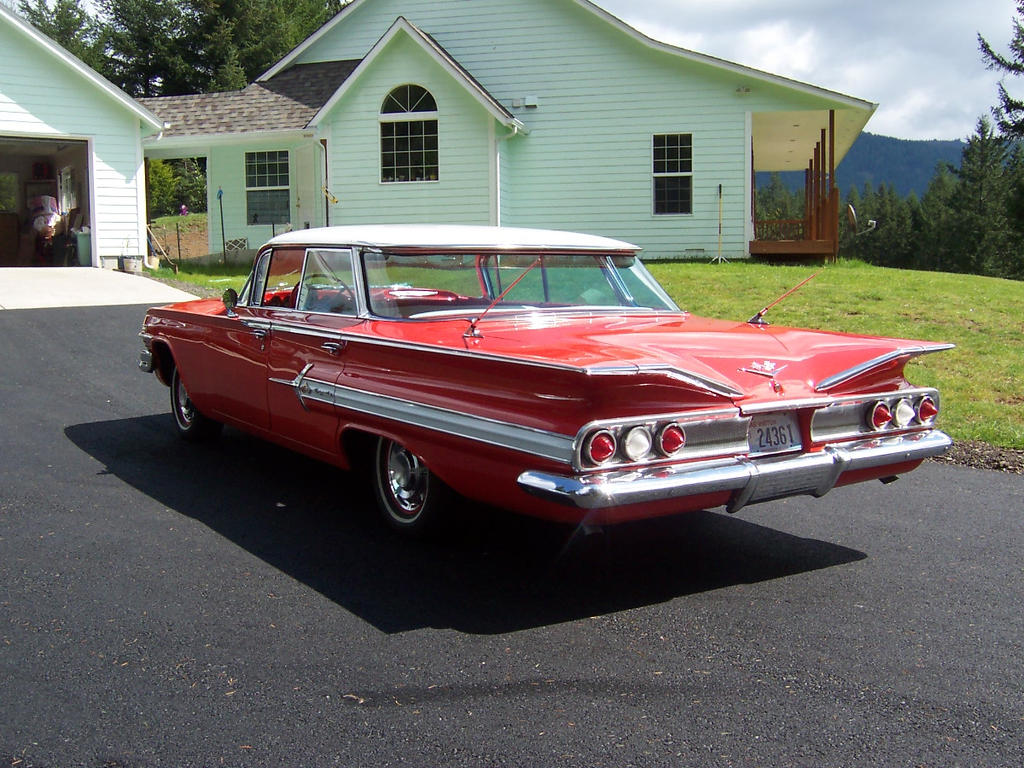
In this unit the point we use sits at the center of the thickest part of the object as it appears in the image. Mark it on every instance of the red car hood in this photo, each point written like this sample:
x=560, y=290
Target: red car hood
x=736, y=360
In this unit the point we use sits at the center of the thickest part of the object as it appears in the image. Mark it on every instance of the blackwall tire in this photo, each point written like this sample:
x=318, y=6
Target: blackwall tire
x=411, y=498
x=190, y=423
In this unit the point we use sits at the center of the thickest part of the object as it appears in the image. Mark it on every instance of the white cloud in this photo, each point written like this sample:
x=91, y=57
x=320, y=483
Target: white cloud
x=920, y=63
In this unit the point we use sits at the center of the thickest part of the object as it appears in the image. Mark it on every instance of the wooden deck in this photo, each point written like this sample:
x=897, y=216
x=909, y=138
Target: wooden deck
x=816, y=234
x=795, y=248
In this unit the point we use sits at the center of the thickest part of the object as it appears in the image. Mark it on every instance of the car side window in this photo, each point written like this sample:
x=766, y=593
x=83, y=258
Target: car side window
x=327, y=283
x=283, y=275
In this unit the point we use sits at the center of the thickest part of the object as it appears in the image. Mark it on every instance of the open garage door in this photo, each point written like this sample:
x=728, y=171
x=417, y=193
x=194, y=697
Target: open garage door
x=44, y=202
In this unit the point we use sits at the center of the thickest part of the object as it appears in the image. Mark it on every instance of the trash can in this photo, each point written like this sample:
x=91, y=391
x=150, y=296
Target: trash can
x=85, y=249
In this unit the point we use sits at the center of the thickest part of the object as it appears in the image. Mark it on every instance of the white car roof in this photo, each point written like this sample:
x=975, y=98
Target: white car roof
x=450, y=236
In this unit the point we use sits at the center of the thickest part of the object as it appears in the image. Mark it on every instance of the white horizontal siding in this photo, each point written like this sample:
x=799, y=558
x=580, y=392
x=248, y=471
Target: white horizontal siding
x=586, y=163
x=462, y=193
x=41, y=96
x=226, y=169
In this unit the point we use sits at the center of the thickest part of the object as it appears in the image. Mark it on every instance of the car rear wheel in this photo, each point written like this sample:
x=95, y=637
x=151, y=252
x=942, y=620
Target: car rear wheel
x=192, y=425
x=410, y=496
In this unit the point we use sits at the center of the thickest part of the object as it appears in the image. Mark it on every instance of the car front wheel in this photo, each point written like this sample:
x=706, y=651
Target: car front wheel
x=192, y=425
x=410, y=496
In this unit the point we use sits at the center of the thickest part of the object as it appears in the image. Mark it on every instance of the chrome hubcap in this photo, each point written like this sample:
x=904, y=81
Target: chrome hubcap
x=407, y=479
x=186, y=412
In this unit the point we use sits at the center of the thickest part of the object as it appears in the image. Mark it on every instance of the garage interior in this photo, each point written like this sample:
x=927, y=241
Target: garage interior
x=44, y=202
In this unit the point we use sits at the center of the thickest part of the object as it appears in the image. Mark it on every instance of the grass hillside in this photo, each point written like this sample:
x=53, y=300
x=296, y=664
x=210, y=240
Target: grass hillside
x=981, y=381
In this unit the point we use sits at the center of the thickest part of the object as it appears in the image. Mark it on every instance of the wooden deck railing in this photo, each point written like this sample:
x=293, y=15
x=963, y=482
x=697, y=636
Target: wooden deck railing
x=779, y=229
x=817, y=233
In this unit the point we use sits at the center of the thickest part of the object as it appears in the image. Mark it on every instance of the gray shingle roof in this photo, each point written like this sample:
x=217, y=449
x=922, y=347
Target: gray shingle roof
x=287, y=101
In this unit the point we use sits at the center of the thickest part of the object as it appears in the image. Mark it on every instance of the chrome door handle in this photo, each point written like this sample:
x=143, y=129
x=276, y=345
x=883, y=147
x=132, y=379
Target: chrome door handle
x=334, y=347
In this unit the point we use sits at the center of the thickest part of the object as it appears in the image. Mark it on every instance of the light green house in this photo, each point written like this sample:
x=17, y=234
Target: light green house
x=539, y=113
x=67, y=134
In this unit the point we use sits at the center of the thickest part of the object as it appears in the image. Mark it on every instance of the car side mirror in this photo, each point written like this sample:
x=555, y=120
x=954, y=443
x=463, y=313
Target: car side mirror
x=230, y=299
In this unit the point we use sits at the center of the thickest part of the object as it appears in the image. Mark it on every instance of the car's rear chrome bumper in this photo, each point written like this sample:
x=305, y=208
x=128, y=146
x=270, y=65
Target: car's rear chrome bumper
x=748, y=480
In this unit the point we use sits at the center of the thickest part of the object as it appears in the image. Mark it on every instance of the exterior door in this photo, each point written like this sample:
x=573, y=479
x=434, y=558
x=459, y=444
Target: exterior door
x=307, y=353
x=308, y=198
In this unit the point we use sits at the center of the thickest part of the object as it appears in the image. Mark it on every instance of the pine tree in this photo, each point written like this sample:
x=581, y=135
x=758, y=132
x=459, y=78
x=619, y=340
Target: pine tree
x=1010, y=112
x=165, y=48
x=982, y=227
x=935, y=243
x=775, y=201
x=68, y=23
x=150, y=51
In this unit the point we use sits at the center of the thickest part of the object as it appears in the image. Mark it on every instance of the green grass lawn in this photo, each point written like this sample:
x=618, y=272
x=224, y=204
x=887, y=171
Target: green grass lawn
x=214, y=276
x=981, y=381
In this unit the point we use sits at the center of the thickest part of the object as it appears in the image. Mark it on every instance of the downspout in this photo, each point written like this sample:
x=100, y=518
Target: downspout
x=497, y=169
x=325, y=185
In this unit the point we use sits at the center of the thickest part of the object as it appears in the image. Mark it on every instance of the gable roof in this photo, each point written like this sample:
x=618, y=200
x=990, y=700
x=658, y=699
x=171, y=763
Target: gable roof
x=286, y=102
x=618, y=23
x=69, y=60
x=447, y=62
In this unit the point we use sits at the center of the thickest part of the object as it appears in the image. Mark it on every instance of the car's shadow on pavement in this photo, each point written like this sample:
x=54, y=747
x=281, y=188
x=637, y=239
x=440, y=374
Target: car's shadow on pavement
x=493, y=573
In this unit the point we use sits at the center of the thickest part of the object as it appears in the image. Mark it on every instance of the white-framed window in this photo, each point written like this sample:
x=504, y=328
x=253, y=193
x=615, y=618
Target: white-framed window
x=673, y=173
x=267, y=197
x=408, y=136
x=8, y=192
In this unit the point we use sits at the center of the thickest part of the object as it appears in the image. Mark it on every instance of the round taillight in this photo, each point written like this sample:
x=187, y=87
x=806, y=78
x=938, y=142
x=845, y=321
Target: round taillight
x=671, y=440
x=600, y=447
x=904, y=414
x=636, y=443
x=881, y=416
x=927, y=410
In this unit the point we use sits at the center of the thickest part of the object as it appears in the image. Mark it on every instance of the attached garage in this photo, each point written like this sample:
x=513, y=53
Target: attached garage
x=72, y=178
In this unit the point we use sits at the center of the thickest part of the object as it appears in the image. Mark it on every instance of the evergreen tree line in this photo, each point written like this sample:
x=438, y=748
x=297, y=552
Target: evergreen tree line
x=970, y=219
x=173, y=47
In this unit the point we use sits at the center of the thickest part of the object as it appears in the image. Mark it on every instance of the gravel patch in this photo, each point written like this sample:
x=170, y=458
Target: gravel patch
x=971, y=453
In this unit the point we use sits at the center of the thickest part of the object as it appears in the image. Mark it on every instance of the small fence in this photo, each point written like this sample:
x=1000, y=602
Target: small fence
x=779, y=229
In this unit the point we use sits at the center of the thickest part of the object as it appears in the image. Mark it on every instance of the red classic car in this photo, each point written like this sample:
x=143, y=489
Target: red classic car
x=543, y=372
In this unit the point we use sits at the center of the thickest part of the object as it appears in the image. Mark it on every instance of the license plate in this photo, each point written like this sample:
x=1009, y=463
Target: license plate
x=773, y=433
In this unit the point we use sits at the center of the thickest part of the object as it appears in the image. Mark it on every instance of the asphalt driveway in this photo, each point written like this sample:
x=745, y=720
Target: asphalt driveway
x=163, y=604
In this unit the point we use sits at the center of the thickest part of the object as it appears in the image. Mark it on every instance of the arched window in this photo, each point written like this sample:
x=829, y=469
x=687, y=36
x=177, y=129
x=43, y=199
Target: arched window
x=408, y=135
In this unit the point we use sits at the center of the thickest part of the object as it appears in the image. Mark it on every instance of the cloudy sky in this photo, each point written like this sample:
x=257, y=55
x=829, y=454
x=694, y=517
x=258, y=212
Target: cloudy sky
x=917, y=59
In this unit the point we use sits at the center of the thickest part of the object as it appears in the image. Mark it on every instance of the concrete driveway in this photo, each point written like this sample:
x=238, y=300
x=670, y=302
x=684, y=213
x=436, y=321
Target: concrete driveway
x=45, y=287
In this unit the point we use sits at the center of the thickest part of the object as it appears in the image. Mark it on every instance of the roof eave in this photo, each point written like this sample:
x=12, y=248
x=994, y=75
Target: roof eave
x=740, y=69
x=163, y=141
x=850, y=102
x=148, y=118
x=497, y=111
x=294, y=53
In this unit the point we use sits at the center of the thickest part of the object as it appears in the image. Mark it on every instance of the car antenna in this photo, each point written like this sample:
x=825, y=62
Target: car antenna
x=758, y=319
x=472, y=332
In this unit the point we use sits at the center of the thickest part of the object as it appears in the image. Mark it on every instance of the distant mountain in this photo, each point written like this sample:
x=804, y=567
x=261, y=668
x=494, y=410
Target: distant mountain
x=905, y=164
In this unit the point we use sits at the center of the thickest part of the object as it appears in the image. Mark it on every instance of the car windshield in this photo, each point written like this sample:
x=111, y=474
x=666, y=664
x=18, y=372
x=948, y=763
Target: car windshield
x=423, y=285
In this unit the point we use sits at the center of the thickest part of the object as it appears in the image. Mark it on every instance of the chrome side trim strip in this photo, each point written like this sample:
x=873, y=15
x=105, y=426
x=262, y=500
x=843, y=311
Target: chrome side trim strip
x=862, y=368
x=748, y=480
x=302, y=329
x=827, y=402
x=549, y=445
x=693, y=379
x=705, y=383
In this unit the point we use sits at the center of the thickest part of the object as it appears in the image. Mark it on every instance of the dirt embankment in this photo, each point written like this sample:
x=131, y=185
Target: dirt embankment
x=182, y=240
